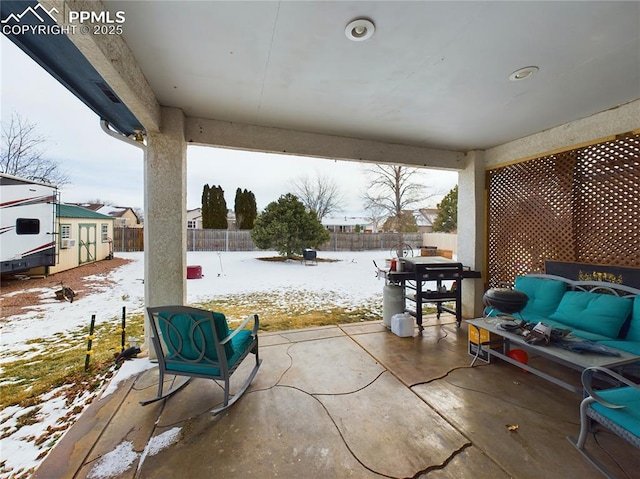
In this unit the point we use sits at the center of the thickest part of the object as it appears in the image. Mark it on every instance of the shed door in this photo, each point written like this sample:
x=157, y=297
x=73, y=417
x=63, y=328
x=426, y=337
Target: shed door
x=87, y=243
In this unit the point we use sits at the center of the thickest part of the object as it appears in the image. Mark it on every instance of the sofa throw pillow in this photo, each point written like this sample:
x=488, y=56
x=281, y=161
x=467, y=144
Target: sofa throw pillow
x=634, y=327
x=597, y=313
x=544, y=295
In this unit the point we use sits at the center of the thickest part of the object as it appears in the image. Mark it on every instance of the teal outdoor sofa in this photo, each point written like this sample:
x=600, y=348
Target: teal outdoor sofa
x=605, y=313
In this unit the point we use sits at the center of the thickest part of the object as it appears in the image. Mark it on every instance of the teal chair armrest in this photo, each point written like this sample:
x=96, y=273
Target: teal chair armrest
x=587, y=379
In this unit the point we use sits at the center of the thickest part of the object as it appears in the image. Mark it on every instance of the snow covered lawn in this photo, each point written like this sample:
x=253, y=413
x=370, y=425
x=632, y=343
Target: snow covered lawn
x=347, y=283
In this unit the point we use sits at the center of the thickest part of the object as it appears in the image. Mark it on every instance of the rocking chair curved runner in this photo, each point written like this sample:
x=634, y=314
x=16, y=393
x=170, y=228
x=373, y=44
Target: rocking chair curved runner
x=194, y=342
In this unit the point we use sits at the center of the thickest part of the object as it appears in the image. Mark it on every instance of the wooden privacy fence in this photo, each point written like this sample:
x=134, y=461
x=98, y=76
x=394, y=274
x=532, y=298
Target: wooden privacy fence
x=128, y=239
x=131, y=239
x=371, y=241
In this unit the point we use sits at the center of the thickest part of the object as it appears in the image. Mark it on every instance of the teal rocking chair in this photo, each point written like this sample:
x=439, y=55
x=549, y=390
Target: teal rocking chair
x=197, y=343
x=617, y=409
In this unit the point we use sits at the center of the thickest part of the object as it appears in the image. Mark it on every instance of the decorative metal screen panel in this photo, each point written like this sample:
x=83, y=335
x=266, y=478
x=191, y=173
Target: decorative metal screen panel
x=578, y=206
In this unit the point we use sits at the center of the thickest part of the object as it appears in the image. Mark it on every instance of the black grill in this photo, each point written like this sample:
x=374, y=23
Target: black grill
x=309, y=254
x=508, y=301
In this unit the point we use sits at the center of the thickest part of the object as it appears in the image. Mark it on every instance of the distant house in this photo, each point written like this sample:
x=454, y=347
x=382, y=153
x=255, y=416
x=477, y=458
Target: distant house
x=346, y=224
x=124, y=216
x=407, y=219
x=84, y=236
x=425, y=218
x=231, y=219
x=194, y=219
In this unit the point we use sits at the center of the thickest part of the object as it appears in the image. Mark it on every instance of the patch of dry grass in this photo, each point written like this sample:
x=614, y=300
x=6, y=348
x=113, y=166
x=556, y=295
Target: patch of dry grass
x=60, y=361
x=283, y=310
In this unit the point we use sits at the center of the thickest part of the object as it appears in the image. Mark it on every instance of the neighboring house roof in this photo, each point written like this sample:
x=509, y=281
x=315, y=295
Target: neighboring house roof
x=426, y=216
x=113, y=211
x=344, y=221
x=73, y=211
x=89, y=206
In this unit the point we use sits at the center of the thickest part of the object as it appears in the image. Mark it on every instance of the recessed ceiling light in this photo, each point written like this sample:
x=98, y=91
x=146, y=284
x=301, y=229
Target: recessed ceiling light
x=359, y=30
x=523, y=73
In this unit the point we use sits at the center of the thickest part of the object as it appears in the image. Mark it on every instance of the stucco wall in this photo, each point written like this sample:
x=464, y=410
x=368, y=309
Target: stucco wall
x=593, y=129
x=446, y=241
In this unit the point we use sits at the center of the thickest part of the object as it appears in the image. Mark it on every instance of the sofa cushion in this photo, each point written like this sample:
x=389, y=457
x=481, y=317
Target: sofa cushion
x=588, y=335
x=544, y=295
x=596, y=313
x=632, y=347
x=633, y=334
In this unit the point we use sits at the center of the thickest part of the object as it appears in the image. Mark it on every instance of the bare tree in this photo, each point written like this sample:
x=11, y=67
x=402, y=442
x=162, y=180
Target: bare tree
x=22, y=154
x=139, y=213
x=394, y=189
x=376, y=216
x=99, y=201
x=320, y=194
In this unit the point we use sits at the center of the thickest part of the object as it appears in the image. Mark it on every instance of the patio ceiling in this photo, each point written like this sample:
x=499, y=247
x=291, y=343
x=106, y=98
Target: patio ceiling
x=433, y=75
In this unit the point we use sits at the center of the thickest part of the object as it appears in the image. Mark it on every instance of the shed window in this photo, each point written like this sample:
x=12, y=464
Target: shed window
x=65, y=231
x=28, y=226
x=104, y=232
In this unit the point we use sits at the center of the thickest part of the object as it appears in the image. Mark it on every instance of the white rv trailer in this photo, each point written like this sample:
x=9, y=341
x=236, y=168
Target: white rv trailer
x=28, y=224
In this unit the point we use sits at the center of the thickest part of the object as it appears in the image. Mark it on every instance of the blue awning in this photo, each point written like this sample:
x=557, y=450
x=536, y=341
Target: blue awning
x=55, y=52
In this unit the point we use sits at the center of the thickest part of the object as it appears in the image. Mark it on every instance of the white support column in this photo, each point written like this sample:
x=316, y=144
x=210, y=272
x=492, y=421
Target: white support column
x=471, y=230
x=165, y=236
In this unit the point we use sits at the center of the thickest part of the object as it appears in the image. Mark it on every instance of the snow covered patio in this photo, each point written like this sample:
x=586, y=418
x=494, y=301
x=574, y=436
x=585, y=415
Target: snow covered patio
x=351, y=400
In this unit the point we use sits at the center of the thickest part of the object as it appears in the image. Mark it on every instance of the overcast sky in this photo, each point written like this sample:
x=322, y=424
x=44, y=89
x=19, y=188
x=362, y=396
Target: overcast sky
x=101, y=167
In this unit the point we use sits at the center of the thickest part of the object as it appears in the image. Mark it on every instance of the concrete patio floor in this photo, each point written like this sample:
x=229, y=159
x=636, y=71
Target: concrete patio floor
x=352, y=400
